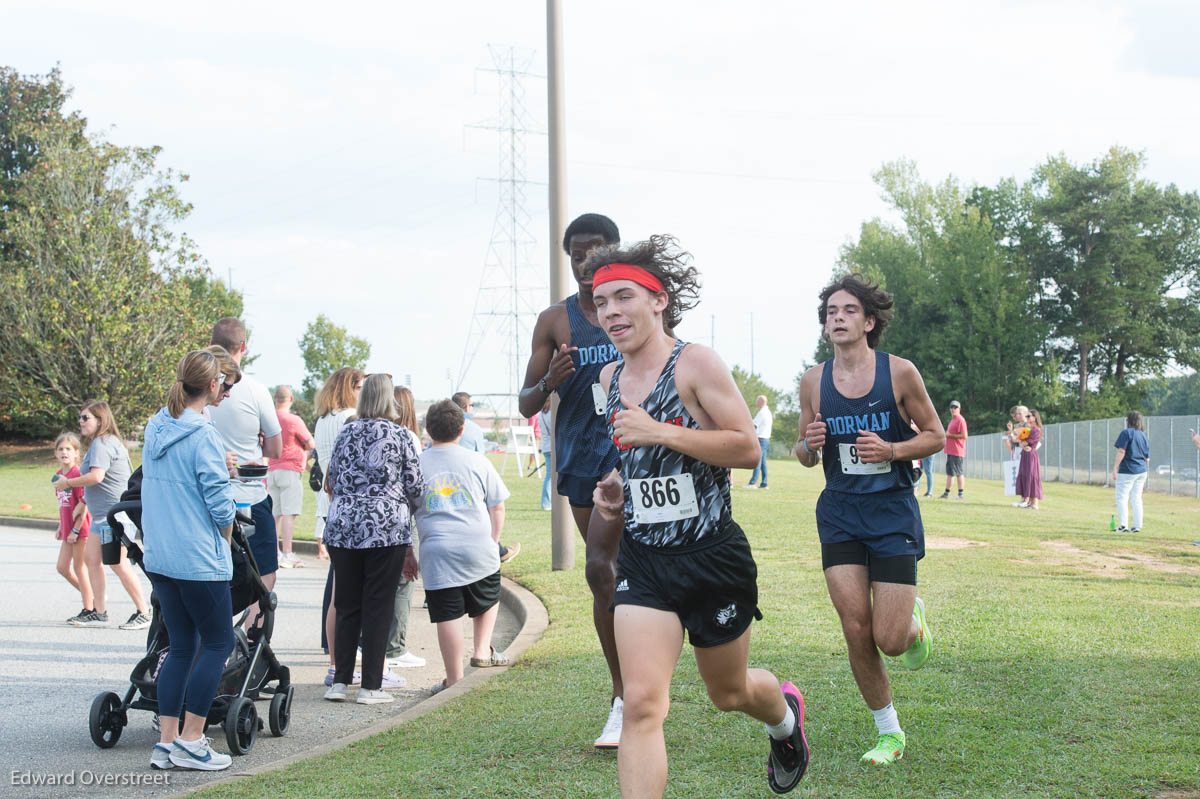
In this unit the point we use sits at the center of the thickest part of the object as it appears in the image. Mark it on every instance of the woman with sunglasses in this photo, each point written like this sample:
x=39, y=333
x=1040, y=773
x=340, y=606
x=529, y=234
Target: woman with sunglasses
x=187, y=520
x=104, y=476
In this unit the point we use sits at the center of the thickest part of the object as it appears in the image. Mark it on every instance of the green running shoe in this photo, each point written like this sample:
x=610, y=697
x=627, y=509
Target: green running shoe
x=918, y=653
x=888, y=749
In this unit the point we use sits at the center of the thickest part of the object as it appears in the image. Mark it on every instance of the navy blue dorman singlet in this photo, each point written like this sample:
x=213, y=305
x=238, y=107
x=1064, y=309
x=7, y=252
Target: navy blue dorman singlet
x=877, y=413
x=711, y=483
x=582, y=442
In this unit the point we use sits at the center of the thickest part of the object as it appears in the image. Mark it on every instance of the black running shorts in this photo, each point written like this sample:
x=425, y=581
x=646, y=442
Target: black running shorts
x=711, y=586
x=475, y=599
x=897, y=569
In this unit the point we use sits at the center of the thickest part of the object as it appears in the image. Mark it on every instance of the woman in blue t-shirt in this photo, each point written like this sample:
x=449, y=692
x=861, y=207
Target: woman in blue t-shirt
x=1130, y=469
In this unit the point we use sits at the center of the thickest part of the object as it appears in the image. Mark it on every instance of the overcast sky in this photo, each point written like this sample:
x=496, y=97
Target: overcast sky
x=334, y=168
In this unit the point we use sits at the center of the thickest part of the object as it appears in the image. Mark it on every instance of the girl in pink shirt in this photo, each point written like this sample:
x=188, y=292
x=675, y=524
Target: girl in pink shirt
x=73, y=521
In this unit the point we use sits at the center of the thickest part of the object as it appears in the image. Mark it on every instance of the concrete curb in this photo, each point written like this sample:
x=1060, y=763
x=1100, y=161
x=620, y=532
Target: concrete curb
x=520, y=601
x=32, y=524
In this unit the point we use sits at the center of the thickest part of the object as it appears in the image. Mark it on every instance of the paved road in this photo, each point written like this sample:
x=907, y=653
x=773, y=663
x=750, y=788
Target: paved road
x=50, y=672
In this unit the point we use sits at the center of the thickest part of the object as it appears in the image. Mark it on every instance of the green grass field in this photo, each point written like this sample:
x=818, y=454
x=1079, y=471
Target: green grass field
x=1065, y=664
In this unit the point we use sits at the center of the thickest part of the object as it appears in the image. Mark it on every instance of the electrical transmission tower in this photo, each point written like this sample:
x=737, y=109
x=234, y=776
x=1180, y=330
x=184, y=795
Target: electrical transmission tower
x=512, y=289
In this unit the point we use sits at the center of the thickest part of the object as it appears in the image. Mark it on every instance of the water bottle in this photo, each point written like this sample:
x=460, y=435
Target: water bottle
x=244, y=507
x=1112, y=521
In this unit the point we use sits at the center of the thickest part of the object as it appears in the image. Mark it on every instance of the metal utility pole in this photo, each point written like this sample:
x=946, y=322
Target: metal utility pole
x=752, y=343
x=562, y=536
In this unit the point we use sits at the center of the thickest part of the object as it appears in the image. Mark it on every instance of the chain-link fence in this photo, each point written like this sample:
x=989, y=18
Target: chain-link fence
x=1083, y=452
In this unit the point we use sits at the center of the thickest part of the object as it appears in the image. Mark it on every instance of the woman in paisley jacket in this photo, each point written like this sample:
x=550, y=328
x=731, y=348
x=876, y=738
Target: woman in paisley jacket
x=374, y=475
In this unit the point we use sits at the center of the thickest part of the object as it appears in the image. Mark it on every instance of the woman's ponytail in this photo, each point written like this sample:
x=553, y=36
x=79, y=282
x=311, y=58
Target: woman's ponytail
x=195, y=373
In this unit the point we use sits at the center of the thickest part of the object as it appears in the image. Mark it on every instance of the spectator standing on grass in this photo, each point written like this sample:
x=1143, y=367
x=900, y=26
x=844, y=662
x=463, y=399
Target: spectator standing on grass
x=1012, y=434
x=374, y=480
x=250, y=429
x=472, y=437
x=284, y=473
x=104, y=476
x=1029, y=473
x=762, y=430
x=73, y=524
x=460, y=517
x=398, y=655
x=187, y=520
x=956, y=449
x=1130, y=470
x=335, y=404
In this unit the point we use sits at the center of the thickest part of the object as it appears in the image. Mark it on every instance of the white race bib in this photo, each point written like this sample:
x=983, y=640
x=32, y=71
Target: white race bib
x=599, y=399
x=663, y=499
x=853, y=464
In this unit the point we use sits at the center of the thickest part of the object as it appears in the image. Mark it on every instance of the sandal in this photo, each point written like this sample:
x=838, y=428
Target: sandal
x=437, y=689
x=496, y=659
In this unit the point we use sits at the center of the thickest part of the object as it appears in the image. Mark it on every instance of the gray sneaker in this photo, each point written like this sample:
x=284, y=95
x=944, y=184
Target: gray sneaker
x=138, y=621
x=160, y=758
x=77, y=619
x=336, y=692
x=94, y=619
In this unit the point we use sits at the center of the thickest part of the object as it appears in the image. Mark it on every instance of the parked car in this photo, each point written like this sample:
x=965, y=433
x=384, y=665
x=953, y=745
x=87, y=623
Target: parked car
x=1164, y=469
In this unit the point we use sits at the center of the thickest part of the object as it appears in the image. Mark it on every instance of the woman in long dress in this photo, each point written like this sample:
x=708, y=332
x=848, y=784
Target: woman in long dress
x=1029, y=474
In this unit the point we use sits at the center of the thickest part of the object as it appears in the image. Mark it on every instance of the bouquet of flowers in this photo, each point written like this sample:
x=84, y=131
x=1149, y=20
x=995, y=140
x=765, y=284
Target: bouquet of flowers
x=1022, y=433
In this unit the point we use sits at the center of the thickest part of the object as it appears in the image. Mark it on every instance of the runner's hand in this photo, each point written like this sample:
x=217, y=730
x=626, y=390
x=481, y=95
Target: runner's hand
x=814, y=434
x=609, y=496
x=872, y=448
x=561, y=367
x=633, y=427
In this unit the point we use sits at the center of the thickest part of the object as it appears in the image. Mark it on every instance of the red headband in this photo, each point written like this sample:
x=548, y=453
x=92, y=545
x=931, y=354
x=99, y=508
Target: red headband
x=611, y=272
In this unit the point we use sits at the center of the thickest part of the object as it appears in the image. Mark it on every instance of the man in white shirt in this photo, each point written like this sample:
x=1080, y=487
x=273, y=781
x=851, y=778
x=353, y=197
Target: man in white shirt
x=762, y=429
x=246, y=413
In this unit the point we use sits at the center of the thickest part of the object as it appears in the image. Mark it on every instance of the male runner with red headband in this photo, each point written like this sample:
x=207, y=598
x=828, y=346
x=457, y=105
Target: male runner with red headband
x=568, y=351
x=679, y=424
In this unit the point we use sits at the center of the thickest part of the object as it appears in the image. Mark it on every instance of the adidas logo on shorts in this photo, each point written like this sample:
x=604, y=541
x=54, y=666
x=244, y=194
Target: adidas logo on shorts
x=622, y=586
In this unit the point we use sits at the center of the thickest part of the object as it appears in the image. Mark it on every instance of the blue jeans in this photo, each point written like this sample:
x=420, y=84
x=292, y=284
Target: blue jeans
x=194, y=611
x=546, y=481
x=927, y=470
x=763, y=443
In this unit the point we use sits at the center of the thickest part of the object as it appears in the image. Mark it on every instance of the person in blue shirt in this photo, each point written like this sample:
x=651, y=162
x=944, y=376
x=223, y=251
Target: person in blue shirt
x=187, y=520
x=472, y=437
x=1130, y=470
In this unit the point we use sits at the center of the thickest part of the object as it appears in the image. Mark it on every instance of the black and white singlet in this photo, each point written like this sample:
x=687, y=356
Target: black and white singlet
x=671, y=499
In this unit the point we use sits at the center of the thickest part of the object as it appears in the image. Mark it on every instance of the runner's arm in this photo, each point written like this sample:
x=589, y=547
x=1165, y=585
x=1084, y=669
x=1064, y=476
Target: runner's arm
x=703, y=375
x=546, y=360
x=812, y=427
x=914, y=400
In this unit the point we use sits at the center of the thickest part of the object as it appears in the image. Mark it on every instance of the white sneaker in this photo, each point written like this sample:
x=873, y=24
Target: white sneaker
x=392, y=680
x=198, y=755
x=160, y=758
x=406, y=661
x=283, y=560
x=610, y=737
x=368, y=697
x=336, y=692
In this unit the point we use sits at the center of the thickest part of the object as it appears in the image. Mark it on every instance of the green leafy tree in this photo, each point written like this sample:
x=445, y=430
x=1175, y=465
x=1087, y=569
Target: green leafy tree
x=99, y=296
x=327, y=347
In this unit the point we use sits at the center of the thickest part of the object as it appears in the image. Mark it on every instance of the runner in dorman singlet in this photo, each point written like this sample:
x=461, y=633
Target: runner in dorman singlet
x=679, y=424
x=855, y=410
x=567, y=353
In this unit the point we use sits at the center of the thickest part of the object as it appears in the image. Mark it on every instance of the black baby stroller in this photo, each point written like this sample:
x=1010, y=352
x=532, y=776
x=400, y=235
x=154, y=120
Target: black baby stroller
x=248, y=673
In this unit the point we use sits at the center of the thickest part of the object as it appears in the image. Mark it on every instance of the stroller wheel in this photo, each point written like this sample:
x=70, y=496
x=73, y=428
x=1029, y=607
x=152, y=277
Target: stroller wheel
x=241, y=725
x=106, y=720
x=280, y=715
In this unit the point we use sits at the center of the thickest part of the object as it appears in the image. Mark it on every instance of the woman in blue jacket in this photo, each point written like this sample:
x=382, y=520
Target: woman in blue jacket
x=187, y=519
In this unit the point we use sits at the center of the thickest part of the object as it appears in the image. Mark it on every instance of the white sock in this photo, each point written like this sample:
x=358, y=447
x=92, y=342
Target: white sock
x=188, y=744
x=784, y=728
x=885, y=719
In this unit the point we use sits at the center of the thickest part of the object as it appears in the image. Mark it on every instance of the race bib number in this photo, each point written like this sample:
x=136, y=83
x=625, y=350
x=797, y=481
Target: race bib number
x=599, y=398
x=853, y=464
x=663, y=499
